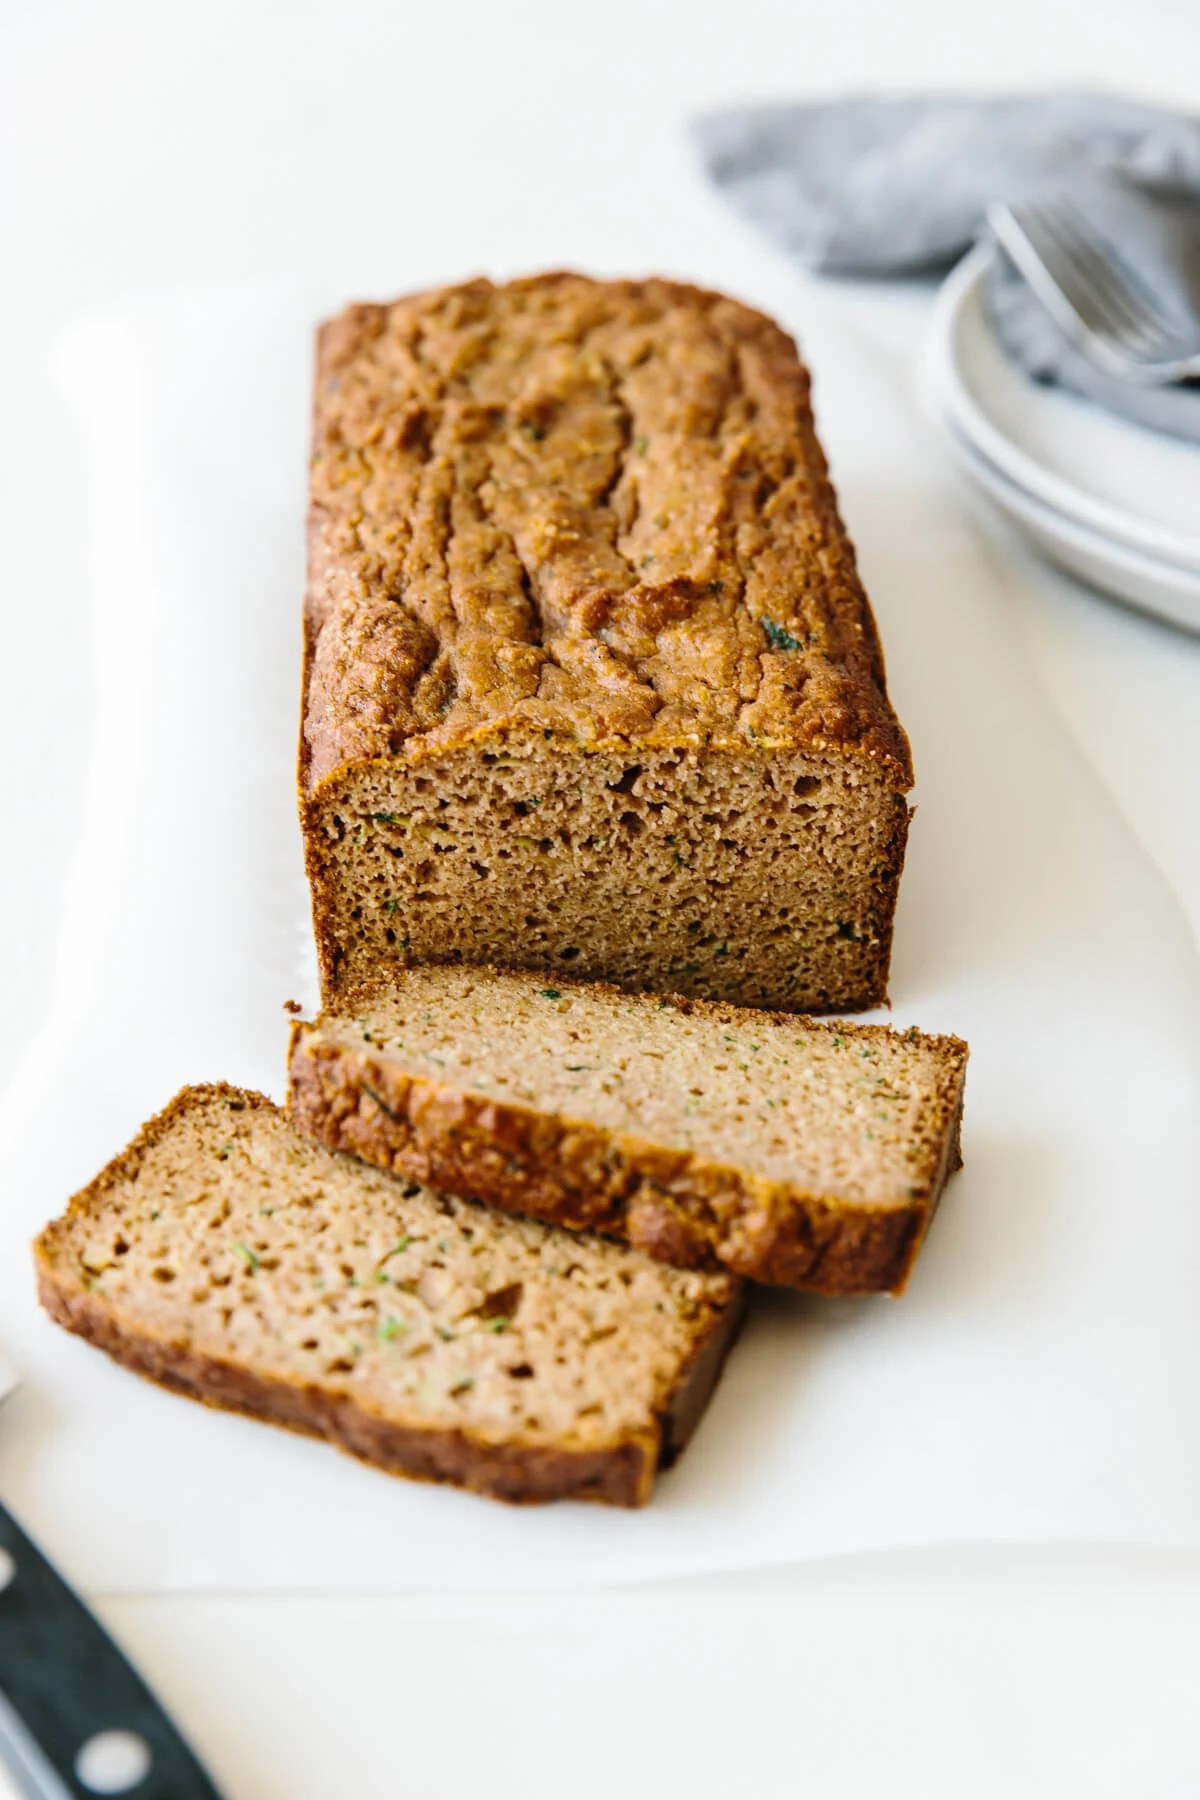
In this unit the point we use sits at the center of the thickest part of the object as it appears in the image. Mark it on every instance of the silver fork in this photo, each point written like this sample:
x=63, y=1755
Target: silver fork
x=1102, y=304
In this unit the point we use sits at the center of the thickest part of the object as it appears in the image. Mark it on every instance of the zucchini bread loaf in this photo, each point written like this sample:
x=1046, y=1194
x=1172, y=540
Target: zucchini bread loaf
x=591, y=684
x=809, y=1153
x=229, y=1259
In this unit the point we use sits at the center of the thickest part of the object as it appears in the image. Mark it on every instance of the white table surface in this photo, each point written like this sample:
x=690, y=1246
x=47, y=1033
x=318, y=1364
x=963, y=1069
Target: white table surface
x=149, y=146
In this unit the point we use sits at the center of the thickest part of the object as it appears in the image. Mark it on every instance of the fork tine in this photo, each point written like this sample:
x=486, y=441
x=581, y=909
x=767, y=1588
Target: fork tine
x=1124, y=284
x=1098, y=299
x=1111, y=291
x=1040, y=226
x=1029, y=237
x=1094, y=276
x=1117, y=324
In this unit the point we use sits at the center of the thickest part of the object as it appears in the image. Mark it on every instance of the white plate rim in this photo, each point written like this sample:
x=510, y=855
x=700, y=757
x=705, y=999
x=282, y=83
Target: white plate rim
x=962, y=289
x=1151, y=586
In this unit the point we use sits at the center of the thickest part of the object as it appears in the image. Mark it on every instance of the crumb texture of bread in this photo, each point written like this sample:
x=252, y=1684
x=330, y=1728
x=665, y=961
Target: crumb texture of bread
x=804, y=1152
x=226, y=1257
x=591, y=681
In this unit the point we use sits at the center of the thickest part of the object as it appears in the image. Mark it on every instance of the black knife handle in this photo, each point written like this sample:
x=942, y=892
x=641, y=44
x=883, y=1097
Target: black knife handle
x=67, y=1683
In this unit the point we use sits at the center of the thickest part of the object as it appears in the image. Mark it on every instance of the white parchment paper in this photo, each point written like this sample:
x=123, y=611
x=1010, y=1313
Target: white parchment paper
x=1041, y=1378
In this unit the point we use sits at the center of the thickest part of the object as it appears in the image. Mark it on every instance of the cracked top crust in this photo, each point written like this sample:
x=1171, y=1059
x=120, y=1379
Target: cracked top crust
x=578, y=509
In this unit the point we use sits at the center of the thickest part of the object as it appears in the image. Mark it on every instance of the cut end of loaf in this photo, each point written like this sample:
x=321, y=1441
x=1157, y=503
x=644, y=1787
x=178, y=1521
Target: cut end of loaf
x=766, y=880
x=227, y=1258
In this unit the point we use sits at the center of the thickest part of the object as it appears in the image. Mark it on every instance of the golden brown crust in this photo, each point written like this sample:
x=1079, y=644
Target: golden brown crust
x=594, y=510
x=620, y=1474
x=671, y=1203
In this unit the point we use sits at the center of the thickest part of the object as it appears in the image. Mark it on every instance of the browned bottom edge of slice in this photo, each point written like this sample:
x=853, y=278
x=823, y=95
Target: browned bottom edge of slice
x=668, y=1204
x=619, y=1474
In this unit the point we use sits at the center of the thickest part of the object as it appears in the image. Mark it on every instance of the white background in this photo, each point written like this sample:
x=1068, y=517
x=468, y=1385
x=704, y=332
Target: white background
x=156, y=147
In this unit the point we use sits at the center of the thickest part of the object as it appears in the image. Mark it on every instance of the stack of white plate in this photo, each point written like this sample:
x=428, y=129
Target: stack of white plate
x=1114, y=504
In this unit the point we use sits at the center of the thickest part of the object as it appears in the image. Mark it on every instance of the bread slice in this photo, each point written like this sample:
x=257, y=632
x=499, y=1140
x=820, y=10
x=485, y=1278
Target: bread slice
x=794, y=1151
x=226, y=1257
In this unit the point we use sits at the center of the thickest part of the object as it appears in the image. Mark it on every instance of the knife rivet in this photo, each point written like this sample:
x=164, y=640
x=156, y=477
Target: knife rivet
x=112, y=1762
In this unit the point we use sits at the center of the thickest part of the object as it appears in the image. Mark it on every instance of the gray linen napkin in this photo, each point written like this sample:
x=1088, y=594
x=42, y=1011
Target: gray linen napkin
x=885, y=187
